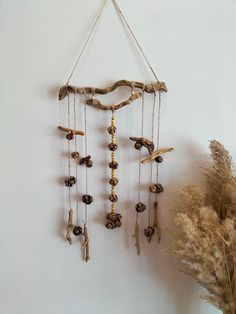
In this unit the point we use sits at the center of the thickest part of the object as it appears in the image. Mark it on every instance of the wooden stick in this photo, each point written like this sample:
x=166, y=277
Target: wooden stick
x=137, y=238
x=75, y=132
x=149, y=88
x=156, y=154
x=144, y=142
x=69, y=226
x=85, y=245
x=155, y=222
x=97, y=103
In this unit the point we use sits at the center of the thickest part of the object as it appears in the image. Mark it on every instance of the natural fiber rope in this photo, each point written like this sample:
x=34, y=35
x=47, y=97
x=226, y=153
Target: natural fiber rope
x=158, y=133
x=68, y=148
x=76, y=164
x=86, y=154
x=98, y=17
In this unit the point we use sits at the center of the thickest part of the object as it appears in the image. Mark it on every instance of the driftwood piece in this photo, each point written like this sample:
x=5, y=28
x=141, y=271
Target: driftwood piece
x=69, y=227
x=142, y=141
x=137, y=238
x=149, y=88
x=85, y=244
x=156, y=154
x=75, y=132
x=97, y=103
x=156, y=225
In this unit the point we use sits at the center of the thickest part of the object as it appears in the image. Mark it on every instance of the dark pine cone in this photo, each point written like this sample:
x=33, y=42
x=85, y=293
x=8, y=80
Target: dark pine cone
x=159, y=159
x=113, y=221
x=70, y=181
x=113, y=198
x=113, y=181
x=112, y=147
x=87, y=199
x=70, y=136
x=113, y=165
x=75, y=155
x=140, y=207
x=111, y=129
x=89, y=163
x=149, y=232
x=156, y=188
x=138, y=145
x=77, y=230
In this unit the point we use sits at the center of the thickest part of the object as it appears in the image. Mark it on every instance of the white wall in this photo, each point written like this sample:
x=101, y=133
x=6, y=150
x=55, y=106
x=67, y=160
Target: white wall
x=192, y=45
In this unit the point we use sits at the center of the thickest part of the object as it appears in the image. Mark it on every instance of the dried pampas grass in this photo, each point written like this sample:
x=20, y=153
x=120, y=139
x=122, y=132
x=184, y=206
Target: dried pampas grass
x=205, y=235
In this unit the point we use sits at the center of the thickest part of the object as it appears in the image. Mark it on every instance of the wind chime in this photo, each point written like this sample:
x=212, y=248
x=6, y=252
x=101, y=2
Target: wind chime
x=89, y=95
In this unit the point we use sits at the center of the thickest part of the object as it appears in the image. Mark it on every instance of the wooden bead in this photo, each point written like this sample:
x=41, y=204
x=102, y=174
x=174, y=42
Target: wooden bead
x=113, y=165
x=77, y=230
x=113, y=146
x=113, y=198
x=70, y=181
x=87, y=199
x=156, y=188
x=159, y=159
x=113, y=181
x=140, y=207
x=75, y=155
x=111, y=130
x=70, y=136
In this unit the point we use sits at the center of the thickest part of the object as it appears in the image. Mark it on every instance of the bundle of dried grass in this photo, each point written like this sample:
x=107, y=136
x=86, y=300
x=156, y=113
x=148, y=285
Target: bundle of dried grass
x=205, y=237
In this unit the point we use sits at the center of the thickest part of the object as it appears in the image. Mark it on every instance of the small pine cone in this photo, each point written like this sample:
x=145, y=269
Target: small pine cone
x=118, y=224
x=70, y=181
x=138, y=145
x=113, y=165
x=149, y=232
x=75, y=155
x=111, y=130
x=140, y=207
x=70, y=136
x=159, y=159
x=77, y=230
x=113, y=146
x=89, y=163
x=113, y=198
x=113, y=181
x=109, y=225
x=87, y=199
x=156, y=188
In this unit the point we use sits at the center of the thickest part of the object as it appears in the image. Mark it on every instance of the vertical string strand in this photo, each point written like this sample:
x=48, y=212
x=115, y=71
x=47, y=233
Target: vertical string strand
x=76, y=163
x=68, y=148
x=151, y=165
x=86, y=154
x=158, y=134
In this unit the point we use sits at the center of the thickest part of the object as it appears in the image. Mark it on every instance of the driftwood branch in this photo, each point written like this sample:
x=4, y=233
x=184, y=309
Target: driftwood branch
x=157, y=153
x=142, y=141
x=75, y=132
x=96, y=103
x=149, y=88
x=69, y=227
x=137, y=238
x=85, y=244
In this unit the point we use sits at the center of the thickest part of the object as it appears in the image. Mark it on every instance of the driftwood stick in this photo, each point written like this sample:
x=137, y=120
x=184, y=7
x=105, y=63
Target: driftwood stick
x=137, y=238
x=97, y=103
x=75, y=132
x=149, y=88
x=85, y=244
x=156, y=225
x=69, y=227
x=156, y=154
x=143, y=142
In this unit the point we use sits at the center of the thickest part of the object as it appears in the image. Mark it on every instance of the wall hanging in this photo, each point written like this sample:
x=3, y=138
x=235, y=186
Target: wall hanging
x=89, y=96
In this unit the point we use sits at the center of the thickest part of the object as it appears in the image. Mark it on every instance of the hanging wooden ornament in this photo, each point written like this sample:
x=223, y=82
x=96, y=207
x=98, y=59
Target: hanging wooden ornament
x=141, y=143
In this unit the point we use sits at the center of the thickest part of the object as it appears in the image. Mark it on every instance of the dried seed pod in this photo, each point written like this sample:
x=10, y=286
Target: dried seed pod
x=70, y=136
x=149, y=232
x=87, y=199
x=113, y=146
x=113, y=220
x=156, y=188
x=89, y=163
x=113, y=198
x=77, y=230
x=75, y=155
x=159, y=159
x=138, y=146
x=111, y=129
x=113, y=181
x=113, y=165
x=140, y=207
x=70, y=181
